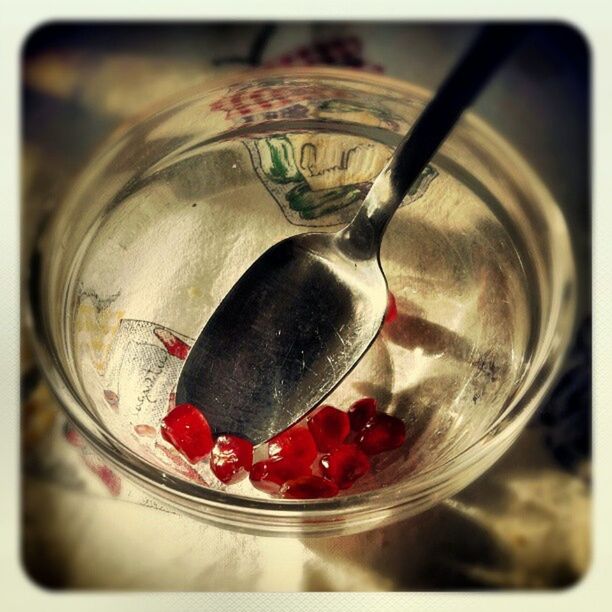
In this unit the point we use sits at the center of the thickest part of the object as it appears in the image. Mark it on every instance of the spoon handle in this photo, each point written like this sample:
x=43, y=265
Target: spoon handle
x=491, y=47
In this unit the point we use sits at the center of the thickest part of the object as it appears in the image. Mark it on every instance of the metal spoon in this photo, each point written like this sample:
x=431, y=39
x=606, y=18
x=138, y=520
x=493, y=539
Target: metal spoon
x=306, y=311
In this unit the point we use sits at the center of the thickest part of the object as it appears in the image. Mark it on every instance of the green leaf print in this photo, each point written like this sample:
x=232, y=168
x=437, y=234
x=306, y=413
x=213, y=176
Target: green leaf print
x=281, y=166
x=314, y=204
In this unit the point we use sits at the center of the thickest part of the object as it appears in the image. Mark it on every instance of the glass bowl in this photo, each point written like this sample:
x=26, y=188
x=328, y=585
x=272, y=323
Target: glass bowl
x=174, y=208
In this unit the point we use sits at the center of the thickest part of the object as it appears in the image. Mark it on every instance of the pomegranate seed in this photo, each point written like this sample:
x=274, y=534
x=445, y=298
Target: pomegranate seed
x=345, y=465
x=329, y=427
x=270, y=474
x=188, y=431
x=175, y=346
x=231, y=458
x=361, y=412
x=296, y=444
x=391, y=313
x=309, y=487
x=384, y=432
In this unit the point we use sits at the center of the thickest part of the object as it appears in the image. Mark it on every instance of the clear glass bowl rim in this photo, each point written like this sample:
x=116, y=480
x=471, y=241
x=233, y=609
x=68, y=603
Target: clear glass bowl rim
x=356, y=512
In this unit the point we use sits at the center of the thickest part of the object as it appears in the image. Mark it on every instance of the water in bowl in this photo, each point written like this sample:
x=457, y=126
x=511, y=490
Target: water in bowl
x=174, y=243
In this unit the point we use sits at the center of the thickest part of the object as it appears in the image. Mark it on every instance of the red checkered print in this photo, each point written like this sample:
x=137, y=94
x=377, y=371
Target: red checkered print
x=274, y=101
x=271, y=99
x=337, y=52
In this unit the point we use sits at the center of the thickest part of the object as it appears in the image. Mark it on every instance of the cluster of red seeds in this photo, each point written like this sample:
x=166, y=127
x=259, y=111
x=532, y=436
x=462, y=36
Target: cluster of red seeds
x=186, y=428
x=317, y=460
x=314, y=461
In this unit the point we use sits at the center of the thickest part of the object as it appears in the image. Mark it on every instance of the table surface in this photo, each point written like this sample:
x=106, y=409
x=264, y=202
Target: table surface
x=524, y=524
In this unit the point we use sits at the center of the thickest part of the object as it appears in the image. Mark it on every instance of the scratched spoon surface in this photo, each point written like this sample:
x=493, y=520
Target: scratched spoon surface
x=306, y=311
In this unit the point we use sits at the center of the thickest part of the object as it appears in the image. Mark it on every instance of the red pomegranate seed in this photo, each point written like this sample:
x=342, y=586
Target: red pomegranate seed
x=309, y=487
x=231, y=458
x=361, y=412
x=175, y=346
x=391, y=313
x=270, y=474
x=384, y=432
x=345, y=465
x=296, y=444
x=188, y=431
x=329, y=427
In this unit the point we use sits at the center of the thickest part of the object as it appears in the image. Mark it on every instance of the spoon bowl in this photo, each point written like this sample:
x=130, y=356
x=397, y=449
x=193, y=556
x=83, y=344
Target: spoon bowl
x=304, y=299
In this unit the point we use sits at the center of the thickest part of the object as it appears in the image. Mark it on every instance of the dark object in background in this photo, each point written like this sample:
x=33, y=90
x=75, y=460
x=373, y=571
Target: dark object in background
x=566, y=416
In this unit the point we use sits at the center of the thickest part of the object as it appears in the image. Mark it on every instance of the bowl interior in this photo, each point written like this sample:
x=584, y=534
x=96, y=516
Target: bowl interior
x=169, y=215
